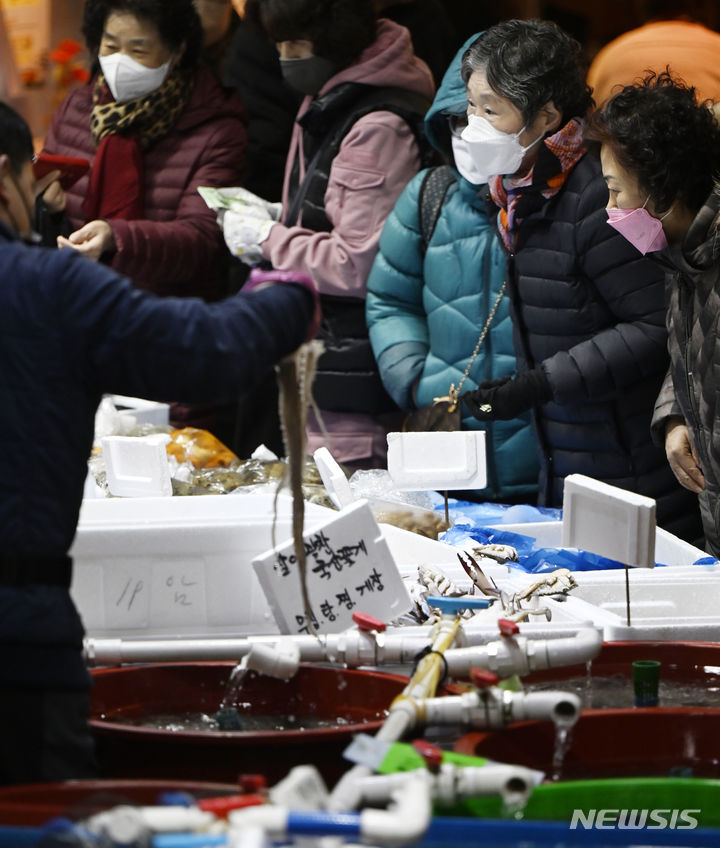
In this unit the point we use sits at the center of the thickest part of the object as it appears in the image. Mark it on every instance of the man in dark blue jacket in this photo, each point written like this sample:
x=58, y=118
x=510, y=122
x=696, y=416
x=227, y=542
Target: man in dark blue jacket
x=71, y=330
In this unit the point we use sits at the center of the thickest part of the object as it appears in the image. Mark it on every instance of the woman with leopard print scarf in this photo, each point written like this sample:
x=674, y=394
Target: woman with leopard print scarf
x=155, y=125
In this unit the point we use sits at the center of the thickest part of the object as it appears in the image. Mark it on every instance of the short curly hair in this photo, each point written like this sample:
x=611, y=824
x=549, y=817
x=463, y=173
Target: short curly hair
x=657, y=130
x=531, y=63
x=339, y=29
x=177, y=21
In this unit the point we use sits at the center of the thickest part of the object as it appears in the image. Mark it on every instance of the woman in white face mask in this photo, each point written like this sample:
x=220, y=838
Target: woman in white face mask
x=660, y=156
x=436, y=284
x=154, y=125
x=587, y=306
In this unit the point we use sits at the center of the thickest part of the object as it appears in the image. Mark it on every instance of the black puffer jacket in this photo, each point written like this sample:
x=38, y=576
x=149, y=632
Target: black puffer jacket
x=691, y=386
x=591, y=310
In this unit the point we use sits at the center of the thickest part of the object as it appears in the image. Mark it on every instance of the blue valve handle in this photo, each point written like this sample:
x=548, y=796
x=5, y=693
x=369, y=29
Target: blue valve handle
x=455, y=605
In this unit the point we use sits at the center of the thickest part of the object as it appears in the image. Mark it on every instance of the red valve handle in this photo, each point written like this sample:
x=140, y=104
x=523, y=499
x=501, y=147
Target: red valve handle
x=366, y=622
x=507, y=627
x=482, y=679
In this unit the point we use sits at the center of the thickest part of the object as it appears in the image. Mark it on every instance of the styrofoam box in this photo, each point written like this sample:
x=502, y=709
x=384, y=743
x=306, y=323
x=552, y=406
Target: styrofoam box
x=437, y=460
x=669, y=550
x=177, y=566
x=668, y=603
x=143, y=411
x=676, y=602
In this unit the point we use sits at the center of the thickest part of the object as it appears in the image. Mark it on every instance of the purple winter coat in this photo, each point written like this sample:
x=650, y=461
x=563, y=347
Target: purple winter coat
x=177, y=249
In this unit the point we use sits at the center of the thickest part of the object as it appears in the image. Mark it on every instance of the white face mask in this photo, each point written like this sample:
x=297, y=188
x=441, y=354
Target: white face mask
x=128, y=79
x=494, y=152
x=464, y=161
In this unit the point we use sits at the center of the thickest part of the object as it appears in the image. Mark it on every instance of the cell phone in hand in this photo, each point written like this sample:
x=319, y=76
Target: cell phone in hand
x=71, y=169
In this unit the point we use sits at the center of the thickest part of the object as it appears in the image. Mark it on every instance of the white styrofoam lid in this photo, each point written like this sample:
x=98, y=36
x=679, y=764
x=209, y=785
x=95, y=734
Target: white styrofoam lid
x=137, y=466
x=608, y=521
x=438, y=460
x=334, y=479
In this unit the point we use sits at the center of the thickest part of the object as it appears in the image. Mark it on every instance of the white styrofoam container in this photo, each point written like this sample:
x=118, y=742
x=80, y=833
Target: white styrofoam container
x=677, y=602
x=608, y=521
x=137, y=466
x=669, y=550
x=177, y=566
x=437, y=460
x=143, y=411
x=668, y=603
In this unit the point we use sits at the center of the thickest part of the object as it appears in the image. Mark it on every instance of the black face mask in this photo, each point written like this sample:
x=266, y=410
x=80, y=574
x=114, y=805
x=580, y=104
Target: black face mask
x=308, y=75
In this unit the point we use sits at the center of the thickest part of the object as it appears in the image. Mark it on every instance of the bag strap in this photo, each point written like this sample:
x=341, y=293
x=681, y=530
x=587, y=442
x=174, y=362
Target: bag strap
x=433, y=189
x=293, y=214
x=452, y=398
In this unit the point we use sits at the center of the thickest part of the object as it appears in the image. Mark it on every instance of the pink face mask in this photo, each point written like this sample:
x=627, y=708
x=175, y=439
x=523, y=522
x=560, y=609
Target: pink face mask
x=638, y=226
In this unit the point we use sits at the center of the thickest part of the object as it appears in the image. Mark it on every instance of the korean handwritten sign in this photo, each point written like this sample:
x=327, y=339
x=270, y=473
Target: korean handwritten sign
x=349, y=568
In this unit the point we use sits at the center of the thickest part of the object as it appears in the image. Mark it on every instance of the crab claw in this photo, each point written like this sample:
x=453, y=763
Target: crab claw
x=472, y=568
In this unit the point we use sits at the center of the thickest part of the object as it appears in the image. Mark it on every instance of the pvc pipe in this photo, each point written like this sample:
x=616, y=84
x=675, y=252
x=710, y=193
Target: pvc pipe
x=519, y=655
x=511, y=782
x=270, y=818
x=583, y=647
x=562, y=708
x=280, y=661
x=495, y=708
x=401, y=716
x=454, y=783
x=129, y=825
x=248, y=837
x=404, y=822
x=352, y=648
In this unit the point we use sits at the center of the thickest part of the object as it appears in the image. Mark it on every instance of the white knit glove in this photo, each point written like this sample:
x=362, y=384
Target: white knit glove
x=245, y=231
x=238, y=199
x=242, y=195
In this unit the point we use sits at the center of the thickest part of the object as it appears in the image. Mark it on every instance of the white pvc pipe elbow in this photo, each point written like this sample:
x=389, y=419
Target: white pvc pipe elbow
x=407, y=820
x=454, y=783
x=562, y=708
x=280, y=661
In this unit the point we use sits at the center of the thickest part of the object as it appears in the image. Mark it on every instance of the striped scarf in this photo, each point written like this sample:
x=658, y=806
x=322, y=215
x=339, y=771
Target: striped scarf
x=558, y=155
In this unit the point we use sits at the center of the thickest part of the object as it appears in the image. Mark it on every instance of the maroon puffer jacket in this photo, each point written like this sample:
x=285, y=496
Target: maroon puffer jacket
x=178, y=249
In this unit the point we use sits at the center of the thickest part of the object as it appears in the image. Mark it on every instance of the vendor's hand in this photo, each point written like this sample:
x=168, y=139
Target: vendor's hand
x=92, y=241
x=682, y=457
x=245, y=231
x=506, y=398
x=53, y=194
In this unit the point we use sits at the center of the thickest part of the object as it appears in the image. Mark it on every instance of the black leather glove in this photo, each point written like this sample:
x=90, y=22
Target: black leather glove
x=507, y=398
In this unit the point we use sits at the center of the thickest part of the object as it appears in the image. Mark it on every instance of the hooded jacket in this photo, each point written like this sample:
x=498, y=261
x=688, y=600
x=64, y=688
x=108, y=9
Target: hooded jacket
x=426, y=311
x=375, y=160
x=177, y=248
x=690, y=389
x=71, y=330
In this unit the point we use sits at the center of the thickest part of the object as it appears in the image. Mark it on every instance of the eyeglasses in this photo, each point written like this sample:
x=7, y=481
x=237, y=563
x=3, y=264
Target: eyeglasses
x=457, y=123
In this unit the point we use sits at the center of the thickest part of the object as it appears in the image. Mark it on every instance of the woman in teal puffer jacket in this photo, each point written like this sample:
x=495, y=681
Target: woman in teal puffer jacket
x=427, y=305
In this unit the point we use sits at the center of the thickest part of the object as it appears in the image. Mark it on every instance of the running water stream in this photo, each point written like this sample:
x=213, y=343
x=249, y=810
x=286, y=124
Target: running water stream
x=563, y=737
